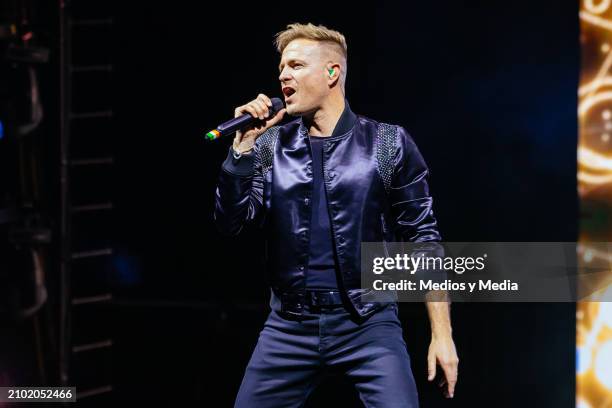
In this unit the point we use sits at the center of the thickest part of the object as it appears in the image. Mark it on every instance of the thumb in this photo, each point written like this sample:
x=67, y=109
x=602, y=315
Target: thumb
x=431, y=366
x=277, y=118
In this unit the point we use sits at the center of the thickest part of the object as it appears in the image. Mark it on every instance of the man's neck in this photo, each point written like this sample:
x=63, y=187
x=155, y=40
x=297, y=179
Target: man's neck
x=324, y=120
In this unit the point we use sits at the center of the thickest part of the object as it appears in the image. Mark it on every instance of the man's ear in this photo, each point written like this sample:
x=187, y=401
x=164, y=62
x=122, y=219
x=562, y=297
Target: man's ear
x=333, y=72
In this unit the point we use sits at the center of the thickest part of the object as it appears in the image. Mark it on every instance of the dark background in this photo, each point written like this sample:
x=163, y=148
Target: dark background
x=487, y=90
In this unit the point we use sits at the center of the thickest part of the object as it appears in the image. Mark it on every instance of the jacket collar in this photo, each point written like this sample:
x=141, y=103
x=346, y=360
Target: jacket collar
x=346, y=121
x=343, y=126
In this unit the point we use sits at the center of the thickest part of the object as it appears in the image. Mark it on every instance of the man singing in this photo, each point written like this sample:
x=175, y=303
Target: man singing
x=318, y=186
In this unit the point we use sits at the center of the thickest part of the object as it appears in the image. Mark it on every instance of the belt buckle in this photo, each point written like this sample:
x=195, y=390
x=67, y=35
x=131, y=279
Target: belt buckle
x=312, y=301
x=290, y=302
x=311, y=298
x=321, y=298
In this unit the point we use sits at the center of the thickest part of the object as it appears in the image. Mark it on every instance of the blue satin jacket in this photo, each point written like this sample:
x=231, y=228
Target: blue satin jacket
x=376, y=188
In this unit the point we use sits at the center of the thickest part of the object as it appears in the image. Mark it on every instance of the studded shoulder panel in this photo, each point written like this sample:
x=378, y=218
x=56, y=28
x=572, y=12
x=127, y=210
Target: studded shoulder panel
x=266, y=144
x=386, y=144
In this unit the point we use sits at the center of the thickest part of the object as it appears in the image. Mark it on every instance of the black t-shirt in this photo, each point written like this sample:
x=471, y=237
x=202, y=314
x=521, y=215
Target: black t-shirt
x=322, y=267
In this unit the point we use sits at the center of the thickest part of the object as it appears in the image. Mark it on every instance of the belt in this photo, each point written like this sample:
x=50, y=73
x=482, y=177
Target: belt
x=311, y=300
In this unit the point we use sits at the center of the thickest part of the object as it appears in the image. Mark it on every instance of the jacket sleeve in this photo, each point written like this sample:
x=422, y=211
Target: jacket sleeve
x=411, y=208
x=239, y=193
x=411, y=204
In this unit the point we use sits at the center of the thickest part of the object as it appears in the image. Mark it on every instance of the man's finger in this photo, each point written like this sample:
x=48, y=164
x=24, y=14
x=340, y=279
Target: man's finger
x=450, y=372
x=239, y=111
x=451, y=388
x=279, y=115
x=262, y=109
x=250, y=110
x=277, y=118
x=265, y=99
x=431, y=366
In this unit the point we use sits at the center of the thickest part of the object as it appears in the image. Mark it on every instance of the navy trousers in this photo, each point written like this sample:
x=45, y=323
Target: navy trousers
x=292, y=355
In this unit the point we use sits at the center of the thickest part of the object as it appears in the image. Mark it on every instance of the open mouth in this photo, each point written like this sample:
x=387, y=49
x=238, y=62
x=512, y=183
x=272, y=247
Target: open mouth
x=288, y=91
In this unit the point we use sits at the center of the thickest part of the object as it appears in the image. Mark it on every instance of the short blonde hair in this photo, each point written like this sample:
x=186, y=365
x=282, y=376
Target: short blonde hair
x=316, y=33
x=310, y=32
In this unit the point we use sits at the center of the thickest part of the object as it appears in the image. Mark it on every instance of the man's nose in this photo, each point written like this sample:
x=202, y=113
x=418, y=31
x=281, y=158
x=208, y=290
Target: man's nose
x=283, y=76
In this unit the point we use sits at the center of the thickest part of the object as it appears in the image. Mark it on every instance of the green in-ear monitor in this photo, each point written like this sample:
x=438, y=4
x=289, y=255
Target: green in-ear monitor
x=331, y=71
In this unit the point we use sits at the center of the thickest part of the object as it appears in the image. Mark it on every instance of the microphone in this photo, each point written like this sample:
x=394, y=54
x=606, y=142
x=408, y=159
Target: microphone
x=243, y=121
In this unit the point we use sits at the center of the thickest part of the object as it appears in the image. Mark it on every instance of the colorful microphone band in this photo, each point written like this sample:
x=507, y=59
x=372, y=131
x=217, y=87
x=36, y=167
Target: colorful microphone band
x=213, y=134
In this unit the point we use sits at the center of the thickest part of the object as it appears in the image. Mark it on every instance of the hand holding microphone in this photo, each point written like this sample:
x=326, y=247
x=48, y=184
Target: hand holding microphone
x=254, y=119
x=262, y=108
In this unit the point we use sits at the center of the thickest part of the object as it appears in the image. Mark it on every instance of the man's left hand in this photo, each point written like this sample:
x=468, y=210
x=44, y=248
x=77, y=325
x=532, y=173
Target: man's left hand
x=442, y=351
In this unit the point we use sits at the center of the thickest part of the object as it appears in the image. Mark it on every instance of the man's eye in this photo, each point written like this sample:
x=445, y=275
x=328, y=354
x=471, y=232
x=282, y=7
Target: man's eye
x=296, y=66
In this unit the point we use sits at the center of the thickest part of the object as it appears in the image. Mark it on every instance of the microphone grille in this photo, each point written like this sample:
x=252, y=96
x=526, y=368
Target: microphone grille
x=277, y=104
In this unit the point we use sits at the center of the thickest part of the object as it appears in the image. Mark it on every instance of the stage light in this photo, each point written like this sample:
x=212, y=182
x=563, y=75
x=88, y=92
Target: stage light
x=603, y=364
x=594, y=320
x=584, y=355
x=596, y=7
x=582, y=404
x=605, y=314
